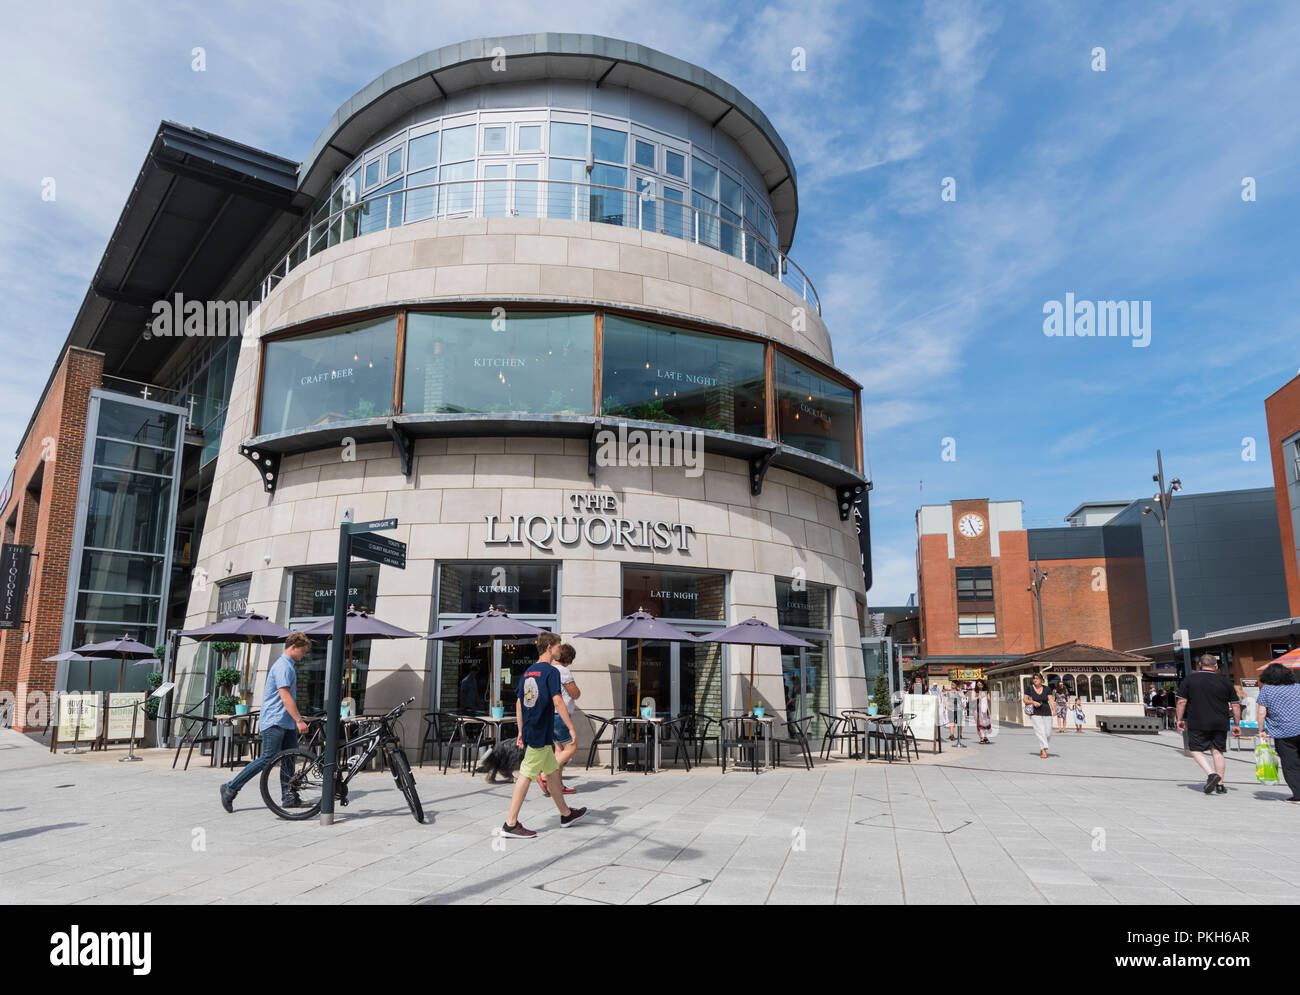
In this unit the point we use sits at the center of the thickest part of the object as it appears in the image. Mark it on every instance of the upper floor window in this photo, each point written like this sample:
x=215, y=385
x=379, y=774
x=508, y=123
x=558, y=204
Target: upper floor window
x=974, y=583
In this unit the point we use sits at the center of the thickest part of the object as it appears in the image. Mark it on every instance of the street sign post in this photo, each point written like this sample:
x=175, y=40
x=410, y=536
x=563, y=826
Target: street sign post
x=355, y=539
x=379, y=549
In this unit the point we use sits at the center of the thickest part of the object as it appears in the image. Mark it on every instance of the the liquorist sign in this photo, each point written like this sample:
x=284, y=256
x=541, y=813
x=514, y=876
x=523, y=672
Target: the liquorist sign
x=595, y=521
x=14, y=563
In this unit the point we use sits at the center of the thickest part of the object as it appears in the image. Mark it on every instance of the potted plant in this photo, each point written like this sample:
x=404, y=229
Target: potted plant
x=880, y=703
x=152, y=681
x=225, y=680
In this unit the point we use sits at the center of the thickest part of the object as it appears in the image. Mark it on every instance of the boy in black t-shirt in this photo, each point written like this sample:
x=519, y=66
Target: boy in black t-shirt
x=1204, y=700
x=537, y=702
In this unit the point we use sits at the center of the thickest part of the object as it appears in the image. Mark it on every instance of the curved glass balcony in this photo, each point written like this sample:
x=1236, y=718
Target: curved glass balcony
x=653, y=206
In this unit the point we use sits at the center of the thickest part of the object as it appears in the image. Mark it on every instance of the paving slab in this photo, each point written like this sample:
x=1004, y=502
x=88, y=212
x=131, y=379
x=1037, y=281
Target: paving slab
x=1106, y=819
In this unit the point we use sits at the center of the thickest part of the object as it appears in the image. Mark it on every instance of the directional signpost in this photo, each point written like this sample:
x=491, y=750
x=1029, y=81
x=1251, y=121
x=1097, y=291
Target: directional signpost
x=355, y=539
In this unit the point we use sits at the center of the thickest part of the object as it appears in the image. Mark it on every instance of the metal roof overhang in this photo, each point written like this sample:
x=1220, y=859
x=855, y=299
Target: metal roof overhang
x=1242, y=633
x=437, y=74
x=565, y=426
x=198, y=206
x=195, y=210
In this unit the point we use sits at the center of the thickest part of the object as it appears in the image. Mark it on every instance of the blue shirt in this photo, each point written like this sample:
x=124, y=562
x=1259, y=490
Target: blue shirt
x=282, y=675
x=1283, y=704
x=537, y=691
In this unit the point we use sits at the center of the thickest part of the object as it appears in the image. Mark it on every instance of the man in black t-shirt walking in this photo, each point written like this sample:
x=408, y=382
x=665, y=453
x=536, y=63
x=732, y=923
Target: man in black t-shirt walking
x=1205, y=699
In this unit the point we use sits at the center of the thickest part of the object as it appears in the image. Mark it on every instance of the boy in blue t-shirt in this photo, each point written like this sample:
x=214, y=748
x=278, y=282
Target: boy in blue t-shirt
x=537, y=703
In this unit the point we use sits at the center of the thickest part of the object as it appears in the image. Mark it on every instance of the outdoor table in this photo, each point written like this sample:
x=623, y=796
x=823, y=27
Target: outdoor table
x=225, y=733
x=487, y=722
x=767, y=723
x=856, y=714
x=652, y=726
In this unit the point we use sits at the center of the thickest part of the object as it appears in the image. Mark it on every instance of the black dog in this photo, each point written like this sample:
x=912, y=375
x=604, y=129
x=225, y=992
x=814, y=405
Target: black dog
x=503, y=759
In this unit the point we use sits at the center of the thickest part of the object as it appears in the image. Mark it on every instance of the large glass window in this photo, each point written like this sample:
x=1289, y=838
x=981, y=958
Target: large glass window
x=569, y=140
x=121, y=576
x=472, y=677
x=815, y=414
x=804, y=610
x=608, y=206
x=311, y=599
x=563, y=200
x=517, y=588
x=679, y=677
x=521, y=361
x=608, y=145
x=335, y=375
x=657, y=373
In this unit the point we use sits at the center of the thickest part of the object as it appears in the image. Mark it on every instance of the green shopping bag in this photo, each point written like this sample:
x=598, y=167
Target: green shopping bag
x=1265, y=764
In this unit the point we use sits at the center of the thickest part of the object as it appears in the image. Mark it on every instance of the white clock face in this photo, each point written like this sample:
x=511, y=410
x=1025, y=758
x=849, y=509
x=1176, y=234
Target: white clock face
x=970, y=525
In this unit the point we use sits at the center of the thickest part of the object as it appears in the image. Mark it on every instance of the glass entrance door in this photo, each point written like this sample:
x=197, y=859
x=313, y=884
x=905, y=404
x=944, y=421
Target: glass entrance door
x=805, y=674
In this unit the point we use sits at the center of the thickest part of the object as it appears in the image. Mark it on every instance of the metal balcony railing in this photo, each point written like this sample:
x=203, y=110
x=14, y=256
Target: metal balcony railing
x=645, y=210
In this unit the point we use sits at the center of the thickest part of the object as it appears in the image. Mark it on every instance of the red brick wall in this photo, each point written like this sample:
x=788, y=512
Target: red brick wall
x=47, y=519
x=1282, y=412
x=1130, y=619
x=937, y=588
x=1076, y=602
x=1017, y=610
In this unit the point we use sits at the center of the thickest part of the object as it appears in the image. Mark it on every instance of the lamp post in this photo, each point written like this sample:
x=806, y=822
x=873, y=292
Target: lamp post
x=1036, y=589
x=1163, y=498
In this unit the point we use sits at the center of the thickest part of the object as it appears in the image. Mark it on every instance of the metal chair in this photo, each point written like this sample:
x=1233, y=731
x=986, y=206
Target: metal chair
x=671, y=735
x=460, y=740
x=837, y=730
x=741, y=733
x=797, y=736
x=699, y=729
x=899, y=740
x=624, y=741
x=248, y=736
x=198, y=727
x=433, y=734
x=598, y=726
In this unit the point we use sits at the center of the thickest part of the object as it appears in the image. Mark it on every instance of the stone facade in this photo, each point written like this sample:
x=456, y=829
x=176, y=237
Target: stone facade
x=456, y=482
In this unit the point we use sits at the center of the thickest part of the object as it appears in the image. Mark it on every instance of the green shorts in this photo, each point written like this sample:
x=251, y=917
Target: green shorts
x=538, y=761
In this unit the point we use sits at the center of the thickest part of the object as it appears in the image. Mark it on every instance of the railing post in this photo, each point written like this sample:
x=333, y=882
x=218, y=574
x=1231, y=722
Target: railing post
x=639, y=226
x=697, y=225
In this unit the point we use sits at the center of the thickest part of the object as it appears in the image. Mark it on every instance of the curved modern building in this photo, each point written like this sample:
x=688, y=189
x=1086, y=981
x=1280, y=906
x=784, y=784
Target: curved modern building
x=535, y=302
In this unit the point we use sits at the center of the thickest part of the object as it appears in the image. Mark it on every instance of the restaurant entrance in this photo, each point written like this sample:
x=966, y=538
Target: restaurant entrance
x=803, y=610
x=678, y=676
x=475, y=674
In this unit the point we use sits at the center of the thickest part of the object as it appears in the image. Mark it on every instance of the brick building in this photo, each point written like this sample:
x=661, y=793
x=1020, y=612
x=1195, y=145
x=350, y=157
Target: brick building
x=39, y=511
x=1106, y=578
x=1282, y=411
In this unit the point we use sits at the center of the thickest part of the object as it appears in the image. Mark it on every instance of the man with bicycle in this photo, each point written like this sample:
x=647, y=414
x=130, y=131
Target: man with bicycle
x=280, y=720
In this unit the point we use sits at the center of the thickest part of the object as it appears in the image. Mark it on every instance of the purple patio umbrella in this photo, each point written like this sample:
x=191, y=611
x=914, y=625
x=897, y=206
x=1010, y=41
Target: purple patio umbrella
x=493, y=623
x=72, y=656
x=359, y=624
x=753, y=632
x=246, y=627
x=124, y=647
x=640, y=625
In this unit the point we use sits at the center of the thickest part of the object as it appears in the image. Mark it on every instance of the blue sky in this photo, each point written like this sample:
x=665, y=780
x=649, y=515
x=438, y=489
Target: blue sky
x=1116, y=185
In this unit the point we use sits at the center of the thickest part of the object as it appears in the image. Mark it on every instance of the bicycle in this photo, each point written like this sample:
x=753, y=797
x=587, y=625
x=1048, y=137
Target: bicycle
x=306, y=766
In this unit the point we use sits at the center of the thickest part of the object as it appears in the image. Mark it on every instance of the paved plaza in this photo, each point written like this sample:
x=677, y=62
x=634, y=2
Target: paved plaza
x=1106, y=819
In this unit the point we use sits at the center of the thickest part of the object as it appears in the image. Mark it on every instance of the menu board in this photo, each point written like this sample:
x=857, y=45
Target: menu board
x=79, y=716
x=120, y=712
x=926, y=709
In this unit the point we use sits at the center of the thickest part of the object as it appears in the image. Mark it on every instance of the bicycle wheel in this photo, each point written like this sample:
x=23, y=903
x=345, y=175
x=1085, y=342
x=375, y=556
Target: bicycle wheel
x=306, y=782
x=406, y=781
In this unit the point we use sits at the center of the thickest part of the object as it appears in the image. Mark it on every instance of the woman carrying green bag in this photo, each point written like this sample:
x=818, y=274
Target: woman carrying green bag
x=1279, y=706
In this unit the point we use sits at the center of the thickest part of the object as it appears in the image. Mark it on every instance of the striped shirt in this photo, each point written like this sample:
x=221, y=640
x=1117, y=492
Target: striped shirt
x=1282, y=702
